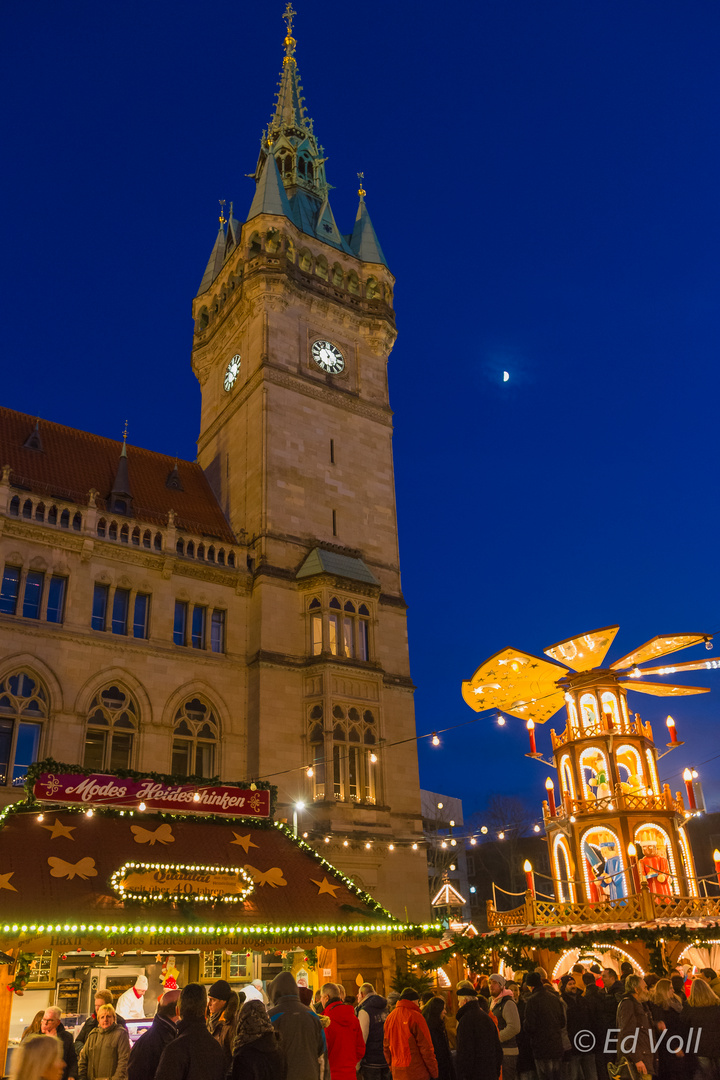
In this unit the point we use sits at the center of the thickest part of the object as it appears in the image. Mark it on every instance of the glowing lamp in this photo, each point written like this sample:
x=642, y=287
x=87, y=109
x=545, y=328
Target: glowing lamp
x=550, y=788
x=688, y=778
x=672, y=731
x=529, y=876
x=309, y=772
x=501, y=721
x=435, y=740
x=531, y=732
x=716, y=860
x=373, y=757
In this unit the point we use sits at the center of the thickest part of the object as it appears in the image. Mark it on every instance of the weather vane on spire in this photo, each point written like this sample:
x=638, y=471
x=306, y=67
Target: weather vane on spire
x=289, y=39
x=125, y=432
x=222, y=218
x=361, y=190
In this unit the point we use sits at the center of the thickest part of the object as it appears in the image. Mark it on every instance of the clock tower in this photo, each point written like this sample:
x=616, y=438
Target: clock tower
x=293, y=327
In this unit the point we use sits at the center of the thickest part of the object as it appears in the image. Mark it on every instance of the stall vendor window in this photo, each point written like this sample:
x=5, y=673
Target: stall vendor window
x=195, y=739
x=211, y=966
x=23, y=708
x=111, y=729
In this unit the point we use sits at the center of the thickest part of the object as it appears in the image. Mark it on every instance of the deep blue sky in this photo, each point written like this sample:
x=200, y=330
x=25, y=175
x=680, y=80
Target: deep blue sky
x=544, y=180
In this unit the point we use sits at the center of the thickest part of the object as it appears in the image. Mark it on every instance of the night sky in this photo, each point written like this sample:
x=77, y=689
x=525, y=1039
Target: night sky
x=544, y=181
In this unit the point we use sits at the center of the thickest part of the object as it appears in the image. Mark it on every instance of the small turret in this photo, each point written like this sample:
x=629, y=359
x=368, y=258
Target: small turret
x=120, y=494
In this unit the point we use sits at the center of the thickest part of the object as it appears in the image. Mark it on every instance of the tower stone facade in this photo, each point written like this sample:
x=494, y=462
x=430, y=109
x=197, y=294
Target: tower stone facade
x=241, y=615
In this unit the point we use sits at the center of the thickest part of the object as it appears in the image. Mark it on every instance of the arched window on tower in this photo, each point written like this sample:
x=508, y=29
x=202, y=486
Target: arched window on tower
x=316, y=739
x=24, y=707
x=589, y=713
x=112, y=725
x=195, y=740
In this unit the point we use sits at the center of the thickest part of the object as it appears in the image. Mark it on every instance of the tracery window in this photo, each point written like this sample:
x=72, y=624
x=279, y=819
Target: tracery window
x=340, y=630
x=195, y=740
x=111, y=729
x=24, y=706
x=347, y=752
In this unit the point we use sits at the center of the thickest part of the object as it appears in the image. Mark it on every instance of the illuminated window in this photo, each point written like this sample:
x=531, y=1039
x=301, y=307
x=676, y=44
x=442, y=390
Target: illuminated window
x=342, y=630
x=588, y=712
x=111, y=728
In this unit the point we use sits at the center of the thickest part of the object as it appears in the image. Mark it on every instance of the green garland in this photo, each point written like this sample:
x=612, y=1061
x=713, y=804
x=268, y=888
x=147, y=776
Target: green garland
x=511, y=945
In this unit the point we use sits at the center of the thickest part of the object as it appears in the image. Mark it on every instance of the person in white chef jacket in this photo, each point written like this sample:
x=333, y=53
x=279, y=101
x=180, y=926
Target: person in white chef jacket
x=130, y=1004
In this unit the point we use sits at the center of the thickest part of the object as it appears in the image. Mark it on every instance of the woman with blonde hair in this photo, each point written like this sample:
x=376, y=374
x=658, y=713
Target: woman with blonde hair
x=702, y=1013
x=38, y=1058
x=666, y=1007
x=107, y=1049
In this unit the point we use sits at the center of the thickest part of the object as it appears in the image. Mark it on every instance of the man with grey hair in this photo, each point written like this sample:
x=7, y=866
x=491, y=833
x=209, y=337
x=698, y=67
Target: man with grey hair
x=50, y=1025
x=505, y=1011
x=371, y=1011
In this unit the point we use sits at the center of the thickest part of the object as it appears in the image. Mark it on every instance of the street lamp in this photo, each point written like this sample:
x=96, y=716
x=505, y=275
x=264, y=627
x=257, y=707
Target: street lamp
x=296, y=809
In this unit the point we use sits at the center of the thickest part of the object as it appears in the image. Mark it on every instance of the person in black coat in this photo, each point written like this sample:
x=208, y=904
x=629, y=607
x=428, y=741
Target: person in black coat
x=434, y=1011
x=256, y=1050
x=545, y=1025
x=194, y=1055
x=147, y=1051
x=50, y=1025
x=478, y=1055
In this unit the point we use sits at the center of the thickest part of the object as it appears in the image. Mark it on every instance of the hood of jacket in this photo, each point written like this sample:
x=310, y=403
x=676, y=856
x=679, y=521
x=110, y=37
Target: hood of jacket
x=403, y=1003
x=340, y=1013
x=501, y=995
x=283, y=985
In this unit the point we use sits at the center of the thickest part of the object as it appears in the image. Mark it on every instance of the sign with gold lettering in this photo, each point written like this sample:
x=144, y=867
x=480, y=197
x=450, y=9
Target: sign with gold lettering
x=172, y=882
x=128, y=793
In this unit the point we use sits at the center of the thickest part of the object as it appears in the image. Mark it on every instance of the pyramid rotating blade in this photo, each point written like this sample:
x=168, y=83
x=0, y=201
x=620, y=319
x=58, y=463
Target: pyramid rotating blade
x=684, y=665
x=518, y=683
x=664, y=689
x=585, y=651
x=659, y=646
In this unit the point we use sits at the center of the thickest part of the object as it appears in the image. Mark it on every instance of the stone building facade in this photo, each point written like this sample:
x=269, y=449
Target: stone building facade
x=241, y=615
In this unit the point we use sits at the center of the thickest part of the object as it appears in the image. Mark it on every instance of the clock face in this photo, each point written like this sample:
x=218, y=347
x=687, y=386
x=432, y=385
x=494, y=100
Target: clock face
x=231, y=372
x=328, y=357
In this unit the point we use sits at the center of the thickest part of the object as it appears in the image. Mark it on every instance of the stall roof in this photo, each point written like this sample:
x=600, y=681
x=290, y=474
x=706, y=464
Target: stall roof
x=59, y=869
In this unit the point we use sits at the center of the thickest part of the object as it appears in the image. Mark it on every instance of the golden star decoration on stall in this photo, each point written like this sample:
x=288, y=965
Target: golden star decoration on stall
x=5, y=881
x=244, y=841
x=58, y=829
x=325, y=886
x=163, y=835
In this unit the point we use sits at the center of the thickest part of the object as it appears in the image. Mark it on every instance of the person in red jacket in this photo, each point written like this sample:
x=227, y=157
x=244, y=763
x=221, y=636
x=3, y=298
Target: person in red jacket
x=407, y=1041
x=345, y=1043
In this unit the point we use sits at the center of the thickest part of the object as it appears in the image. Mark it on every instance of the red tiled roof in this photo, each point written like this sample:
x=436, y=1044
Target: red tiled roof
x=72, y=462
x=46, y=875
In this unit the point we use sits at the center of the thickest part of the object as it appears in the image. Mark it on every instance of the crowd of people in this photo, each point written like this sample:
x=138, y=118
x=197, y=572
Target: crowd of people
x=593, y=1025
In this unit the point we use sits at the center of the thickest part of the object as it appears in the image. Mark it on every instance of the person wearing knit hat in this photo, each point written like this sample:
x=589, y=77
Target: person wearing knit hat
x=478, y=1054
x=222, y=1007
x=130, y=1004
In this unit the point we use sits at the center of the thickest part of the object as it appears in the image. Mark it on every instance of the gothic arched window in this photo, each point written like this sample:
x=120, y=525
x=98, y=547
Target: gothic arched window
x=111, y=729
x=195, y=740
x=23, y=708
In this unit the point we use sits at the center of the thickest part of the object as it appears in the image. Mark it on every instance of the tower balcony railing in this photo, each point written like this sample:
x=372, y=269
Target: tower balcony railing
x=619, y=801
x=643, y=908
x=633, y=726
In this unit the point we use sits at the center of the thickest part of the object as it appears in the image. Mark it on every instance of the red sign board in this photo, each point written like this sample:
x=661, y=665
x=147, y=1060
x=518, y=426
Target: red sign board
x=127, y=793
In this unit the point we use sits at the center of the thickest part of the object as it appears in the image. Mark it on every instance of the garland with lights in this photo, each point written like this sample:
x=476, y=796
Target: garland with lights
x=513, y=947
x=168, y=896
x=256, y=934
